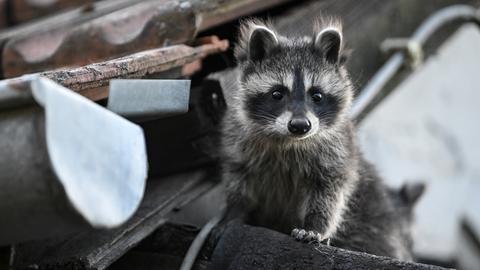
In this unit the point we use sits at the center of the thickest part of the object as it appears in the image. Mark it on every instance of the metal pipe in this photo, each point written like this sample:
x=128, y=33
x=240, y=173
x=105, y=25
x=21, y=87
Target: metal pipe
x=446, y=15
x=395, y=62
x=66, y=164
x=199, y=240
x=376, y=84
x=69, y=164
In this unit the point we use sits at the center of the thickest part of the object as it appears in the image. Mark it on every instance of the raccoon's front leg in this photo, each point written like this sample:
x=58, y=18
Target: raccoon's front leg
x=307, y=236
x=324, y=213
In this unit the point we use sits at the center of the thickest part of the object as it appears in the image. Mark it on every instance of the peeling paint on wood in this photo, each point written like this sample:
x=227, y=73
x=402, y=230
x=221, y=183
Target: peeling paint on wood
x=91, y=80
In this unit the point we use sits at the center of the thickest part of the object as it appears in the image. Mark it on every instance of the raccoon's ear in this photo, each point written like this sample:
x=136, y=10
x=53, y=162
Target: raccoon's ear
x=411, y=192
x=329, y=43
x=261, y=42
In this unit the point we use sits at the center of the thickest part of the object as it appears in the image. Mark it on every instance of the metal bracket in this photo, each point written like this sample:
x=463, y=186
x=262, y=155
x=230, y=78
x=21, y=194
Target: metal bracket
x=410, y=47
x=409, y=51
x=142, y=100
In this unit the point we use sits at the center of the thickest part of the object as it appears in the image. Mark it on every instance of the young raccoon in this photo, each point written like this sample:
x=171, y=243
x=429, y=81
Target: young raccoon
x=290, y=161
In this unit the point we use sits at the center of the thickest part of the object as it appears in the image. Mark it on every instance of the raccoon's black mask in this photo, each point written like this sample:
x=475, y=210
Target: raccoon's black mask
x=292, y=87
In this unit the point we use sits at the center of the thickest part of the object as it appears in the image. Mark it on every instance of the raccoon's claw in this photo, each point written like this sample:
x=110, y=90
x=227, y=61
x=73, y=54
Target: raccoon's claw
x=306, y=236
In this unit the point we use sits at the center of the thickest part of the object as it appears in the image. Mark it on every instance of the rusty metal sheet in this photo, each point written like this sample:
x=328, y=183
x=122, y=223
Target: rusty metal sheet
x=24, y=10
x=142, y=26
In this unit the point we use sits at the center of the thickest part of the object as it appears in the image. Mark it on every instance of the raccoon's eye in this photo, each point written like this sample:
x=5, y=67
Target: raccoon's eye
x=277, y=95
x=317, y=97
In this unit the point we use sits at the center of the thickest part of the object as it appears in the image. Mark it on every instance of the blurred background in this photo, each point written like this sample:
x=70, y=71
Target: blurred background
x=415, y=65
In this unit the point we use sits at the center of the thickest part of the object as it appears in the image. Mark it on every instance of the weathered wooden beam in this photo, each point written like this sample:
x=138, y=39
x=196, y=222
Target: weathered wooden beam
x=98, y=249
x=24, y=10
x=246, y=247
x=91, y=80
x=134, y=66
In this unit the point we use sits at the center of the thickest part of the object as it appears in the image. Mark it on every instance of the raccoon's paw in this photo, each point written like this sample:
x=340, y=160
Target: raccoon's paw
x=307, y=236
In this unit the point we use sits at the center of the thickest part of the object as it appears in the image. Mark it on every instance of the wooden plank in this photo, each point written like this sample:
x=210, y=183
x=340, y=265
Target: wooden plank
x=98, y=249
x=135, y=66
x=92, y=79
x=247, y=247
x=24, y=10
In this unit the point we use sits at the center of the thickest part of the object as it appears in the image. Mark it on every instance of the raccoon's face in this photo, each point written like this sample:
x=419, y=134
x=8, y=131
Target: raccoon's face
x=293, y=88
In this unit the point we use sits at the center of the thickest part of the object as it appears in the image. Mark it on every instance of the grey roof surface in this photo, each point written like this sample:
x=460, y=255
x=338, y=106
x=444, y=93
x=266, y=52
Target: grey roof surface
x=429, y=130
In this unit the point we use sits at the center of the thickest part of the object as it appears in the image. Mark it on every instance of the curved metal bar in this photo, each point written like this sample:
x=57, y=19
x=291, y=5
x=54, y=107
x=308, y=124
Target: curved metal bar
x=395, y=62
x=376, y=84
x=440, y=18
x=198, y=242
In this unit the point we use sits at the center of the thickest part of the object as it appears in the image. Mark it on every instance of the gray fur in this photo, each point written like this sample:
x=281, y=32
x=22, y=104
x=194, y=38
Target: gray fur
x=318, y=182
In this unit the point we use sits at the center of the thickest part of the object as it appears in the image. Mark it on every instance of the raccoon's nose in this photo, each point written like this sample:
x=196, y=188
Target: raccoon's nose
x=299, y=126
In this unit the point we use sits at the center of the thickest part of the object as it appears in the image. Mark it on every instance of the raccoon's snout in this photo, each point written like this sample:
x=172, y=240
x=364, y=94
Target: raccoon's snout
x=299, y=126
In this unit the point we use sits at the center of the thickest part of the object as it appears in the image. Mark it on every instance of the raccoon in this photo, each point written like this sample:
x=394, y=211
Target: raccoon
x=290, y=160
x=405, y=199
